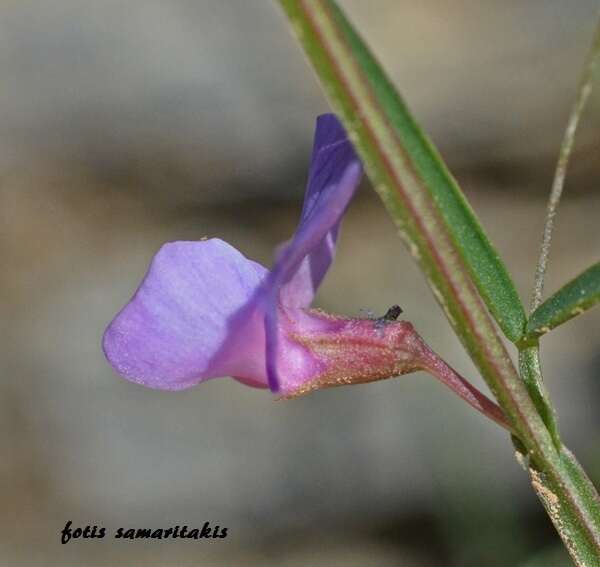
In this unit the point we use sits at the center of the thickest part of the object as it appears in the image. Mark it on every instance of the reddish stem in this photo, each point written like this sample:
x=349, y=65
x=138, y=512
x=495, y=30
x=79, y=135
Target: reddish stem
x=469, y=393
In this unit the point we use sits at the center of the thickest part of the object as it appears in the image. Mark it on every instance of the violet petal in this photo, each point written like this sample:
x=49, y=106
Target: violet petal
x=334, y=176
x=302, y=263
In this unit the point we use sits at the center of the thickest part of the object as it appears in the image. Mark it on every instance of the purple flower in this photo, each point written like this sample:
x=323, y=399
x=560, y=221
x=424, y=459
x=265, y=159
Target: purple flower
x=204, y=310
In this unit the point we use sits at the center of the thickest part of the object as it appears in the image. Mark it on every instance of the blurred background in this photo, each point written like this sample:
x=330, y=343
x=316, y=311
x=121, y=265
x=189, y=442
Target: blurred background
x=127, y=124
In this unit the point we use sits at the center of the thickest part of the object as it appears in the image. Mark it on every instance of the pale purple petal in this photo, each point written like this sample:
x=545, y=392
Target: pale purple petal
x=168, y=335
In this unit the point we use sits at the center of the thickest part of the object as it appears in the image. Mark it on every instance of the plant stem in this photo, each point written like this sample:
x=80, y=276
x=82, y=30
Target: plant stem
x=529, y=356
x=531, y=373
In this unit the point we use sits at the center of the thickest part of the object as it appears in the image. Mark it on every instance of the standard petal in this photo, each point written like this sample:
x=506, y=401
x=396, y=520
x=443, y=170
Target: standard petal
x=334, y=175
x=169, y=334
x=332, y=152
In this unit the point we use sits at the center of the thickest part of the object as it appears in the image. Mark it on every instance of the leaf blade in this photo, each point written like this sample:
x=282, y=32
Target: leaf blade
x=574, y=298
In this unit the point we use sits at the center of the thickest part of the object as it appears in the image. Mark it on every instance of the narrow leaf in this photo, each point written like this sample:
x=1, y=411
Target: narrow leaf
x=573, y=299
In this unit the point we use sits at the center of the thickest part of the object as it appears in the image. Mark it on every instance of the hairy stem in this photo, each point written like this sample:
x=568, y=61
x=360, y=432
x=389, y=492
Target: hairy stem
x=584, y=90
x=529, y=356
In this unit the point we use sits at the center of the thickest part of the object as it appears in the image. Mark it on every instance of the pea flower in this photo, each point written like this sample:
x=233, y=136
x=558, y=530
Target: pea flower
x=205, y=311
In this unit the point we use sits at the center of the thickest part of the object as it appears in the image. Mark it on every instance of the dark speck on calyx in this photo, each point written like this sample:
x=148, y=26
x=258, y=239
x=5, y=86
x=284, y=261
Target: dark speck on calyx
x=392, y=313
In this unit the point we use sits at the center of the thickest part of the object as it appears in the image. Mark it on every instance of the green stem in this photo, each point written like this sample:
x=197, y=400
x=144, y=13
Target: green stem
x=531, y=374
x=345, y=66
x=566, y=522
